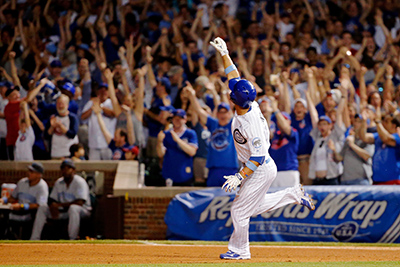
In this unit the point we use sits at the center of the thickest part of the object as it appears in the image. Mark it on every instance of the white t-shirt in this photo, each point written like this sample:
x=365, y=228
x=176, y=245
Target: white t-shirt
x=60, y=143
x=96, y=137
x=284, y=29
x=24, y=144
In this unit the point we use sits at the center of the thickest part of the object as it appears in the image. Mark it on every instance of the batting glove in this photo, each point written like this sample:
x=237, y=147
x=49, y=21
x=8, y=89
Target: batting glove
x=232, y=181
x=220, y=46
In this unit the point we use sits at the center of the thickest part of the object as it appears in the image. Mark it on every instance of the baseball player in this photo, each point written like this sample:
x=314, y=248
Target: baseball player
x=251, y=137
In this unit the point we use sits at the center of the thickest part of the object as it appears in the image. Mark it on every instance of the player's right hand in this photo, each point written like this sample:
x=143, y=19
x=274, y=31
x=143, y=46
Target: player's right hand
x=232, y=182
x=220, y=46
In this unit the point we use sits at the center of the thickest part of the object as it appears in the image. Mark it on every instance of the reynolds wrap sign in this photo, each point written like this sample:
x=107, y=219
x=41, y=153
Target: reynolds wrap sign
x=342, y=213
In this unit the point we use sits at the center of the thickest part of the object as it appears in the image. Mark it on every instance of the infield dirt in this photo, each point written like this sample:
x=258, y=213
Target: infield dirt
x=13, y=254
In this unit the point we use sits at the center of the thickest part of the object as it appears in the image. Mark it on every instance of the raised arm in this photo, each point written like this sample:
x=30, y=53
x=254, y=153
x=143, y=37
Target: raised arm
x=111, y=90
x=14, y=73
x=97, y=110
x=312, y=110
x=230, y=69
x=203, y=116
x=129, y=125
x=283, y=124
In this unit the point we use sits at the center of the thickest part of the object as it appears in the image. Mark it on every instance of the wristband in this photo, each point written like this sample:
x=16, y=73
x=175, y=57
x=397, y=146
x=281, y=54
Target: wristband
x=224, y=52
x=26, y=206
x=230, y=69
x=251, y=166
x=5, y=200
x=243, y=174
x=275, y=112
x=239, y=176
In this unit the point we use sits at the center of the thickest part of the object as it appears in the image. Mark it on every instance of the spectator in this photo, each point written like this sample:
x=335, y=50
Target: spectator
x=324, y=171
x=121, y=139
x=77, y=152
x=387, y=143
x=284, y=147
x=98, y=147
x=26, y=136
x=356, y=157
x=177, y=147
x=69, y=198
x=131, y=152
x=3, y=124
x=221, y=144
x=62, y=129
x=31, y=193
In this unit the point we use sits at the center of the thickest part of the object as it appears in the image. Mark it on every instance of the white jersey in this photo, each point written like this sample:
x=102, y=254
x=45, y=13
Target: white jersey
x=251, y=134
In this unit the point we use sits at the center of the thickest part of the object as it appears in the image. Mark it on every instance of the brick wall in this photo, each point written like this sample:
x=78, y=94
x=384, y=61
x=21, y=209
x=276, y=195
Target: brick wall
x=144, y=218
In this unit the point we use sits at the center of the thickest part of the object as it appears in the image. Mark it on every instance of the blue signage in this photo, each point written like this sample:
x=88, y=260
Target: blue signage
x=342, y=213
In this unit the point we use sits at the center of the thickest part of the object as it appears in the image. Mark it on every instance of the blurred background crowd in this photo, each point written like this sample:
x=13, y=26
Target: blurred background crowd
x=138, y=80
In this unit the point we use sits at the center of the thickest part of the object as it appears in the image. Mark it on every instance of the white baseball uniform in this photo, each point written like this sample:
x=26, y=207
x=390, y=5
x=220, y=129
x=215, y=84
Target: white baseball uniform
x=251, y=134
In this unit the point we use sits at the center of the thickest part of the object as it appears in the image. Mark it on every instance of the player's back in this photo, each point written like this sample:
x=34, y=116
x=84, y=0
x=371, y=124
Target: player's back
x=251, y=134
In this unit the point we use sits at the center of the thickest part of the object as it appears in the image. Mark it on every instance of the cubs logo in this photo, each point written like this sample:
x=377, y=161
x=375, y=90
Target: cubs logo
x=302, y=124
x=220, y=139
x=257, y=142
x=23, y=138
x=239, y=137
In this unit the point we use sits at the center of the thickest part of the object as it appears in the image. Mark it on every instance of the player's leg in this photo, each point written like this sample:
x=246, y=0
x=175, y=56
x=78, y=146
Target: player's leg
x=75, y=213
x=249, y=197
x=41, y=216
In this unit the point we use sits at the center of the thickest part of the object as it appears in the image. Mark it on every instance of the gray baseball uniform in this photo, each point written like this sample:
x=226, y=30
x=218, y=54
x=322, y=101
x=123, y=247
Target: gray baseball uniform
x=78, y=189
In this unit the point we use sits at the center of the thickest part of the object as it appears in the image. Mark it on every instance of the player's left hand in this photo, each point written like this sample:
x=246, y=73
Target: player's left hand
x=232, y=182
x=220, y=45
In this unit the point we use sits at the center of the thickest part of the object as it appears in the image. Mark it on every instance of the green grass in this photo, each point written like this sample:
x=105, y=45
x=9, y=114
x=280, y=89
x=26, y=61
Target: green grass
x=167, y=242
x=275, y=264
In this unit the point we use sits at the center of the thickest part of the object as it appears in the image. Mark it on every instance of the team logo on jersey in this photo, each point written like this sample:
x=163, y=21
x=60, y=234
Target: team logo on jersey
x=257, y=142
x=220, y=139
x=117, y=154
x=23, y=138
x=302, y=124
x=239, y=137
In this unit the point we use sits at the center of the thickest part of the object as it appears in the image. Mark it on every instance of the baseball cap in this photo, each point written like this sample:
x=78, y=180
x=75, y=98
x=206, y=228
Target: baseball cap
x=103, y=85
x=36, y=167
x=168, y=108
x=51, y=47
x=336, y=95
x=133, y=149
x=6, y=84
x=174, y=70
x=56, y=63
x=325, y=118
x=223, y=105
x=84, y=46
x=358, y=116
x=165, y=82
x=180, y=113
x=10, y=90
x=69, y=87
x=301, y=100
x=68, y=163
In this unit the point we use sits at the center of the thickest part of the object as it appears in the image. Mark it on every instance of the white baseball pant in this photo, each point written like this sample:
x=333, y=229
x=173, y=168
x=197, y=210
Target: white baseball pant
x=252, y=199
x=75, y=213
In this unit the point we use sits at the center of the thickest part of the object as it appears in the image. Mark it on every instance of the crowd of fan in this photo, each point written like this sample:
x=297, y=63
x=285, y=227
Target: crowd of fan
x=138, y=80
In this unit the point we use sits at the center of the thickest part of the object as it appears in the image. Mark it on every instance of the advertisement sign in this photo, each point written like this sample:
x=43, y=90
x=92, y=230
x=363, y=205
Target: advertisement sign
x=342, y=213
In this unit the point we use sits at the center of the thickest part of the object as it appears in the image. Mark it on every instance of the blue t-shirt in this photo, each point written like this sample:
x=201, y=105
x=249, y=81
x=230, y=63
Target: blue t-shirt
x=178, y=165
x=284, y=149
x=320, y=109
x=303, y=127
x=386, y=160
x=153, y=125
x=203, y=136
x=117, y=152
x=221, y=150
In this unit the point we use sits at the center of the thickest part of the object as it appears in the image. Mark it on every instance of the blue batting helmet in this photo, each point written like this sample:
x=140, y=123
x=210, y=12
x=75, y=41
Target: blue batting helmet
x=243, y=93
